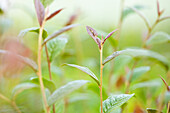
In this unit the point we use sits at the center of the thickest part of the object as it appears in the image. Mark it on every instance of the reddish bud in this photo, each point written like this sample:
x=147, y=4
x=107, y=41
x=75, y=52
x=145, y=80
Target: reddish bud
x=40, y=11
x=109, y=35
x=94, y=35
x=54, y=14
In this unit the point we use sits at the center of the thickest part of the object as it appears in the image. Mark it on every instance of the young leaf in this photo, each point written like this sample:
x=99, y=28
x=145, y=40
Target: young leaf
x=139, y=53
x=21, y=87
x=109, y=35
x=54, y=14
x=46, y=2
x=40, y=11
x=92, y=32
x=115, y=101
x=137, y=72
x=150, y=110
x=33, y=29
x=72, y=19
x=25, y=60
x=65, y=90
x=158, y=9
x=127, y=11
x=86, y=70
x=157, y=38
x=47, y=83
x=55, y=46
x=94, y=35
x=151, y=83
x=57, y=33
x=166, y=84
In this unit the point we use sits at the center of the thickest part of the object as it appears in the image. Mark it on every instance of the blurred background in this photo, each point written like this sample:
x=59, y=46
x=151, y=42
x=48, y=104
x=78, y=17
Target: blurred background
x=103, y=16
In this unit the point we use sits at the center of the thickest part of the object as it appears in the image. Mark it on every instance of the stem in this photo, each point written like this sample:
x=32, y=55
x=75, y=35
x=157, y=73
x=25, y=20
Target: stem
x=39, y=68
x=130, y=78
x=150, y=31
x=49, y=69
x=101, y=74
x=11, y=102
x=48, y=61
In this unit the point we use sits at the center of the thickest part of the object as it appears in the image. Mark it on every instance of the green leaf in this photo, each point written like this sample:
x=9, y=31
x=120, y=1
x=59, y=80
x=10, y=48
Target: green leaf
x=33, y=29
x=150, y=110
x=46, y=2
x=78, y=97
x=115, y=101
x=150, y=83
x=65, y=90
x=158, y=38
x=117, y=110
x=55, y=46
x=47, y=83
x=21, y=87
x=112, y=56
x=137, y=53
x=127, y=11
x=86, y=70
x=137, y=72
x=25, y=60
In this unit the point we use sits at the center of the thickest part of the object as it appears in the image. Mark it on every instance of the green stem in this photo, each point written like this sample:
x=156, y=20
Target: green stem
x=39, y=73
x=49, y=69
x=101, y=77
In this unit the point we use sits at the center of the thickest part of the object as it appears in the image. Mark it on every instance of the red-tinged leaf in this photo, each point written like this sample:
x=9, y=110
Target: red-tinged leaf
x=40, y=11
x=168, y=88
x=94, y=35
x=54, y=14
x=109, y=35
x=72, y=19
x=92, y=32
x=59, y=32
x=98, y=41
x=158, y=10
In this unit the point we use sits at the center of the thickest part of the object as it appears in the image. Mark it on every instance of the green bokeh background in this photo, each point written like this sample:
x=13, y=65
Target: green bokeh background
x=102, y=15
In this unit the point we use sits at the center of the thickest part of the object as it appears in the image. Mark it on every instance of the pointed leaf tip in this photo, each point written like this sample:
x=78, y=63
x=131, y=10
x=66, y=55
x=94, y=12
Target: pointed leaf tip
x=86, y=70
x=91, y=32
x=109, y=35
x=158, y=10
x=40, y=11
x=94, y=35
x=54, y=14
x=115, y=101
